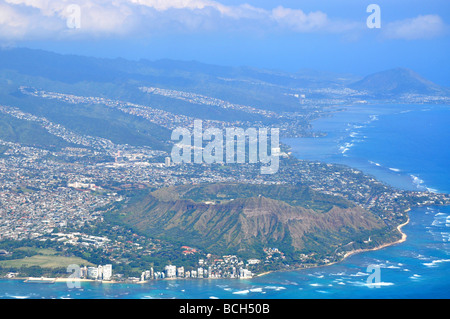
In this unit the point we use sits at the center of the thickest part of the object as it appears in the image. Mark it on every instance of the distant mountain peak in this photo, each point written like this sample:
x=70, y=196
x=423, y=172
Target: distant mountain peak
x=396, y=81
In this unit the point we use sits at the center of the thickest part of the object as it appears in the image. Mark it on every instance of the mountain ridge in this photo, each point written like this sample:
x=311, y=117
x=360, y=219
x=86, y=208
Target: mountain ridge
x=397, y=81
x=107, y=69
x=248, y=224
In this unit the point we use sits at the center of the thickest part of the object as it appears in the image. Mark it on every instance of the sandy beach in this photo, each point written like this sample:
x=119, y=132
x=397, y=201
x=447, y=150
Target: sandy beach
x=64, y=279
x=348, y=254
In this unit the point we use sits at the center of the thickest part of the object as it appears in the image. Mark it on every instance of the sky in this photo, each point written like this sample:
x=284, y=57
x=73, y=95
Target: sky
x=286, y=35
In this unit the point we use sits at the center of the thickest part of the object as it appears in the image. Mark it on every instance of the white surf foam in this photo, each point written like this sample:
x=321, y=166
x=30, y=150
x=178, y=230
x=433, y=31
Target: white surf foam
x=277, y=288
x=323, y=291
x=371, y=284
x=256, y=290
x=359, y=274
x=415, y=277
x=436, y=262
x=241, y=292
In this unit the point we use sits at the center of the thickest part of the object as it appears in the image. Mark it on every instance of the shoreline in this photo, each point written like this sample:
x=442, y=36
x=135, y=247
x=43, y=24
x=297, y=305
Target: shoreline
x=346, y=255
x=349, y=253
x=61, y=279
x=401, y=240
x=73, y=280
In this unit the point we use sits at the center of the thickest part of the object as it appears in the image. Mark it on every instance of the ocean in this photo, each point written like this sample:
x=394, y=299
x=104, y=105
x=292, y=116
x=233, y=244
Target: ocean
x=405, y=146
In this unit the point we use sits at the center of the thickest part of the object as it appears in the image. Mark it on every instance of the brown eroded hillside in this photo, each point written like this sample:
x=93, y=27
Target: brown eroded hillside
x=249, y=222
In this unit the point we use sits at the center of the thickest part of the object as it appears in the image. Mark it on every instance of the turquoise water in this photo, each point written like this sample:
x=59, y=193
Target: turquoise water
x=405, y=146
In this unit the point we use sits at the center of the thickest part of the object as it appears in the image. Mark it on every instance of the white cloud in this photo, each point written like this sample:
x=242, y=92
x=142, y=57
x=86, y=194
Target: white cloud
x=297, y=20
x=30, y=19
x=163, y=5
x=421, y=27
x=25, y=20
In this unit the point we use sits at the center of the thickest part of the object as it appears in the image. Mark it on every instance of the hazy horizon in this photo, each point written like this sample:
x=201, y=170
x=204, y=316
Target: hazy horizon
x=280, y=35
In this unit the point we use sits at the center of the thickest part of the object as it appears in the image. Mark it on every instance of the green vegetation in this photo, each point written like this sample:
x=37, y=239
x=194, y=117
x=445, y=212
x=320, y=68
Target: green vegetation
x=44, y=261
x=28, y=133
x=293, y=195
x=95, y=120
x=26, y=256
x=242, y=219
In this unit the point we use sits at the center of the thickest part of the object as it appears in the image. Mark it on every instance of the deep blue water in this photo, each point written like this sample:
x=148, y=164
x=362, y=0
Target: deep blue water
x=405, y=146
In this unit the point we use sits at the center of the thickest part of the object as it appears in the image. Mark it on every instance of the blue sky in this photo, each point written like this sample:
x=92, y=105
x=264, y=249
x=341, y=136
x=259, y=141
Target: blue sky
x=287, y=35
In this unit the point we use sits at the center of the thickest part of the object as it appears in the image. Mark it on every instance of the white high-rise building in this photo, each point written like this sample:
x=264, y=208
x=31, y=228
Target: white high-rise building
x=245, y=273
x=171, y=271
x=180, y=272
x=209, y=272
x=92, y=272
x=84, y=272
x=107, y=272
x=233, y=274
x=100, y=272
